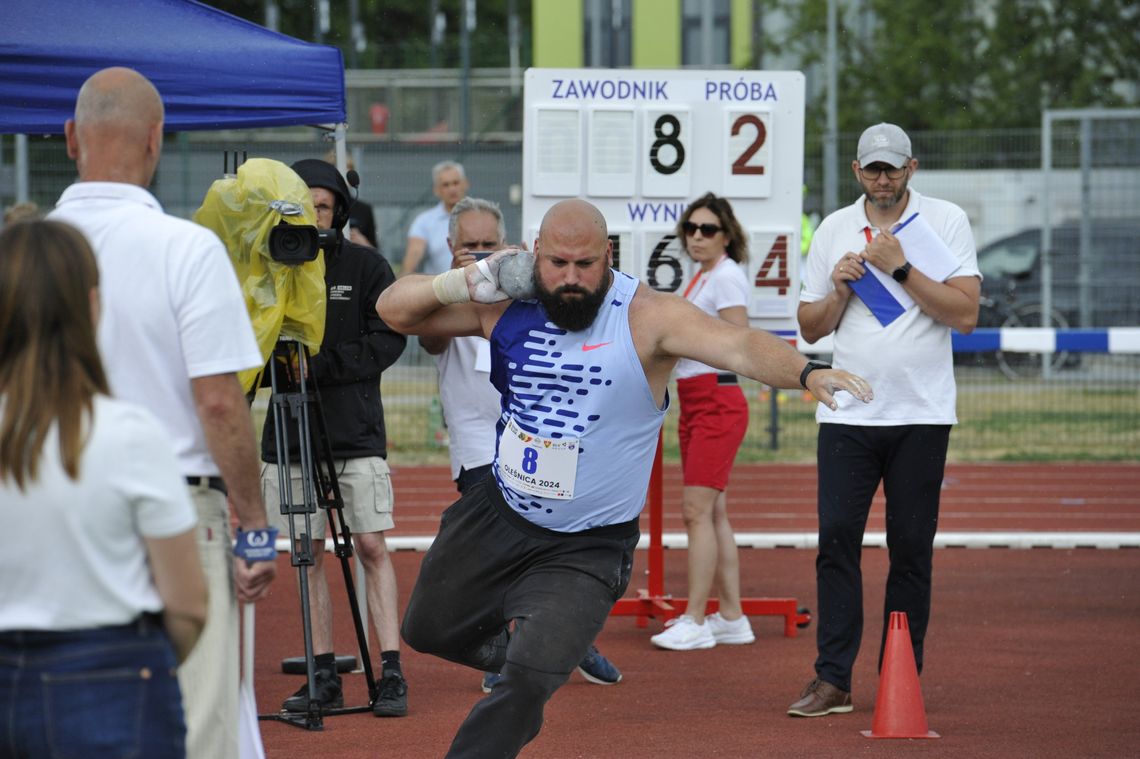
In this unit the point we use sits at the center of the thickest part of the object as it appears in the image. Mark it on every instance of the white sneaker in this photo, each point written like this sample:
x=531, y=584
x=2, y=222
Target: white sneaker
x=737, y=632
x=683, y=634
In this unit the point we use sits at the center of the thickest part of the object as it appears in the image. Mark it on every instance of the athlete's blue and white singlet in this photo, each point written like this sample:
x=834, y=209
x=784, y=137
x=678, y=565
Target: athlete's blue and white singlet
x=579, y=426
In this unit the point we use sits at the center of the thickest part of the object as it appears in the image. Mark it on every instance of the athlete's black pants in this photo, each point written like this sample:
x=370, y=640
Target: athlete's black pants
x=489, y=568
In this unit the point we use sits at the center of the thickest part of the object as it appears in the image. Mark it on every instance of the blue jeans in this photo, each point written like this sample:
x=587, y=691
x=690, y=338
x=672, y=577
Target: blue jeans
x=99, y=693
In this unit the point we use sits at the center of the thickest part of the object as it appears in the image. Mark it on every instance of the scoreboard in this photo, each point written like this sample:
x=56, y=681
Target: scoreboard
x=642, y=144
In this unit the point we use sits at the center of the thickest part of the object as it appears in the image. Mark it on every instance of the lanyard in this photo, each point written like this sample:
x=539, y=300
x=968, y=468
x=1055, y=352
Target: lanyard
x=702, y=277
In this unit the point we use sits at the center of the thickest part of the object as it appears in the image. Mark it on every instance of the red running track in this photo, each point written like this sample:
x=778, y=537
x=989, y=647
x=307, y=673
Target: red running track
x=1030, y=652
x=781, y=498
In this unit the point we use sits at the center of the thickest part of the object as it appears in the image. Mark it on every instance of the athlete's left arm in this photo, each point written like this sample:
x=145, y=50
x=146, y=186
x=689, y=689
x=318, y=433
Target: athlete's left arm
x=673, y=328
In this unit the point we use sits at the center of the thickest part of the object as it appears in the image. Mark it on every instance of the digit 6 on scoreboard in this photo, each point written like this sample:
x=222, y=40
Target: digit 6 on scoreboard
x=664, y=270
x=747, y=153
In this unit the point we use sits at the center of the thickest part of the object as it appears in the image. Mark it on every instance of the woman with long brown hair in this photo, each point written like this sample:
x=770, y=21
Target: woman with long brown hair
x=102, y=592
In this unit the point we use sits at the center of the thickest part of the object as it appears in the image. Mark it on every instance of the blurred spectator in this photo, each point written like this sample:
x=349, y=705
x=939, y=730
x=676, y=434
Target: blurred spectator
x=427, y=250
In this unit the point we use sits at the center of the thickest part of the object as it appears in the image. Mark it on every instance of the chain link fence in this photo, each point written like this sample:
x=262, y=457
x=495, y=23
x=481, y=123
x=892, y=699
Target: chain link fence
x=1084, y=406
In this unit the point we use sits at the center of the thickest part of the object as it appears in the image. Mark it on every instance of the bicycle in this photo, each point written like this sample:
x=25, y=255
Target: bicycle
x=1008, y=313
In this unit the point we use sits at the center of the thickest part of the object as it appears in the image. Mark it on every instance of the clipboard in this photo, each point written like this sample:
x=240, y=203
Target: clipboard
x=925, y=251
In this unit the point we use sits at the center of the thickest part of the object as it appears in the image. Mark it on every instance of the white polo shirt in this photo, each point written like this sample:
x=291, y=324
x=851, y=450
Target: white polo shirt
x=431, y=226
x=909, y=362
x=172, y=307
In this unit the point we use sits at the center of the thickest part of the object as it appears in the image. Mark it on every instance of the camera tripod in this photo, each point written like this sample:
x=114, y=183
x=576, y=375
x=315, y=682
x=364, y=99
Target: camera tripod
x=295, y=404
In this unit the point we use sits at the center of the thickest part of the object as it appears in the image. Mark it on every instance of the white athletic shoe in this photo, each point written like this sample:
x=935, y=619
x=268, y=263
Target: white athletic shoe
x=684, y=634
x=737, y=632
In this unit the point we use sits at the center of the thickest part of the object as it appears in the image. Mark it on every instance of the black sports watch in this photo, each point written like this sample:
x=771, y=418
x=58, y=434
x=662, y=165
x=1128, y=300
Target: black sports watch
x=810, y=367
x=900, y=274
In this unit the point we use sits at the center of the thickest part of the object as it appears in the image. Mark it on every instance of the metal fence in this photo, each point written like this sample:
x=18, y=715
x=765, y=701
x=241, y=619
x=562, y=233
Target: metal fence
x=1012, y=405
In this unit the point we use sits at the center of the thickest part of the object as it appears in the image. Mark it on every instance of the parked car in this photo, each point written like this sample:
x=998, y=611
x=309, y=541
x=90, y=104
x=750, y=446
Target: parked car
x=1011, y=268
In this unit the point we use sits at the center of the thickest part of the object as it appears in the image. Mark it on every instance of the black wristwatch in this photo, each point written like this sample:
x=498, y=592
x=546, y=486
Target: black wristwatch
x=810, y=367
x=900, y=274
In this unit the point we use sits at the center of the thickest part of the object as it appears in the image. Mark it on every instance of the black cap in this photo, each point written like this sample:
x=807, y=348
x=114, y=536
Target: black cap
x=315, y=172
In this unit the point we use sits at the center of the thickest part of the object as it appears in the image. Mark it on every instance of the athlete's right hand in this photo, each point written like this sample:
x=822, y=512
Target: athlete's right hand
x=483, y=277
x=479, y=281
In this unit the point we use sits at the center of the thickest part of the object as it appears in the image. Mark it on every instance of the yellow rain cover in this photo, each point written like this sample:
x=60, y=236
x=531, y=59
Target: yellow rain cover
x=283, y=300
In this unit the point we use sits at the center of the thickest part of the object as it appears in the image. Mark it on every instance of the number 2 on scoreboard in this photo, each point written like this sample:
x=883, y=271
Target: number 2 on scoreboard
x=748, y=154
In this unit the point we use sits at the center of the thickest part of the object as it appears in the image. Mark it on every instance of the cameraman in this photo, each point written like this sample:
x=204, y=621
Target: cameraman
x=357, y=347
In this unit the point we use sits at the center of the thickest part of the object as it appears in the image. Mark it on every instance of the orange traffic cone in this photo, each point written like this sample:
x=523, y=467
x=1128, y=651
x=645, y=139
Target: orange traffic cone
x=899, y=710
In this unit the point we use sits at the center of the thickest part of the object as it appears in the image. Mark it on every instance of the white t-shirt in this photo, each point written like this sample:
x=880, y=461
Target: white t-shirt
x=172, y=307
x=909, y=362
x=432, y=226
x=725, y=286
x=77, y=558
x=471, y=404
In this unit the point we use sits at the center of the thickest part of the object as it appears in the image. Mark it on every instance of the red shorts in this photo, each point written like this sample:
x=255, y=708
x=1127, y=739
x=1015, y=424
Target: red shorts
x=714, y=418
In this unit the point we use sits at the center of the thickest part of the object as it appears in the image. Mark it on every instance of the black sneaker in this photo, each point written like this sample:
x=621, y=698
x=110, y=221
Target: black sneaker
x=329, y=694
x=393, y=698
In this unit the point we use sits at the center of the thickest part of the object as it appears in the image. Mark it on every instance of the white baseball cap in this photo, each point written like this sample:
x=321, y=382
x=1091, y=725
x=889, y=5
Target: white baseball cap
x=884, y=143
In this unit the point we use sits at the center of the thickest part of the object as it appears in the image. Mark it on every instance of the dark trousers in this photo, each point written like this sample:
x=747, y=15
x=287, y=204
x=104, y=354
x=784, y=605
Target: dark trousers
x=488, y=568
x=469, y=478
x=910, y=462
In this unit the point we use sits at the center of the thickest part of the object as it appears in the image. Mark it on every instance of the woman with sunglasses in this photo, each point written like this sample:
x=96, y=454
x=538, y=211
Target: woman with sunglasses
x=103, y=592
x=714, y=418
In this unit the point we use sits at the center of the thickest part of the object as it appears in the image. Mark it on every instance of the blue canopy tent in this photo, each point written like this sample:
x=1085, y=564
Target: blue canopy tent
x=215, y=71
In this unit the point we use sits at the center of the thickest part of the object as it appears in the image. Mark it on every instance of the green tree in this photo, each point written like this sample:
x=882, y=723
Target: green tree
x=967, y=64
x=1058, y=55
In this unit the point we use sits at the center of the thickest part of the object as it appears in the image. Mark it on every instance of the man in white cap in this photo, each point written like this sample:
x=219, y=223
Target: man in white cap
x=901, y=439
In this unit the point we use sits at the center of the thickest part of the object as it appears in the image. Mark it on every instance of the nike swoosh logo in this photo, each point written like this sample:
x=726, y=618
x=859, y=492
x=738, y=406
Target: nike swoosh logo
x=588, y=347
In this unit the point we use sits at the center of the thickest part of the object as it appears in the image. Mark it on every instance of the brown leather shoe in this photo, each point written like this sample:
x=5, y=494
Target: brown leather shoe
x=819, y=698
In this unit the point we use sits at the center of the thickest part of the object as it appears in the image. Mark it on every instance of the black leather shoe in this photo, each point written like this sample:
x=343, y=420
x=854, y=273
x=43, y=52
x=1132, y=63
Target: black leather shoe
x=329, y=694
x=393, y=698
x=819, y=698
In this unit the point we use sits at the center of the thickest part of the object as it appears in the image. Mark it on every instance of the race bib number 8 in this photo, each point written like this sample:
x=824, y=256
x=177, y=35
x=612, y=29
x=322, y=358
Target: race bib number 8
x=537, y=465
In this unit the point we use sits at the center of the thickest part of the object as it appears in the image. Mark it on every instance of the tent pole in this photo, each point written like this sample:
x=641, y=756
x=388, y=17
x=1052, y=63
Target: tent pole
x=22, y=181
x=339, y=133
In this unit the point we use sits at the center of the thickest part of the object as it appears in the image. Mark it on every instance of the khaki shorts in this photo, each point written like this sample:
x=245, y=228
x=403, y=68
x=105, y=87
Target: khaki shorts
x=365, y=486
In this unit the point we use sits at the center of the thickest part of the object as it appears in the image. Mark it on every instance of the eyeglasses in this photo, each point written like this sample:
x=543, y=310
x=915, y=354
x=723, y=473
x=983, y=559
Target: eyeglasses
x=491, y=245
x=708, y=230
x=871, y=173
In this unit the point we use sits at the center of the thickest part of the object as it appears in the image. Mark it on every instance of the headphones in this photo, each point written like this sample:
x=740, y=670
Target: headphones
x=315, y=172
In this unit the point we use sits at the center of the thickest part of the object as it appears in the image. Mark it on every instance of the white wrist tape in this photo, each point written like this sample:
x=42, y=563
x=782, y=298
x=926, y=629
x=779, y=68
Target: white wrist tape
x=451, y=287
x=485, y=269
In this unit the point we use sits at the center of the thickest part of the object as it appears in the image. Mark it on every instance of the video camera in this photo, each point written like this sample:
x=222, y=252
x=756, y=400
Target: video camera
x=264, y=216
x=294, y=244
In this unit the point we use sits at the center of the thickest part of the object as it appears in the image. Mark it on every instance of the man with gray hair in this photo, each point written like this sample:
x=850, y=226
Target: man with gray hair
x=427, y=250
x=174, y=333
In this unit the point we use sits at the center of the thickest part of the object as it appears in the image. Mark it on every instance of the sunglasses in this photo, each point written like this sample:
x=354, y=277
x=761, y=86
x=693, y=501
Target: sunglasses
x=707, y=230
